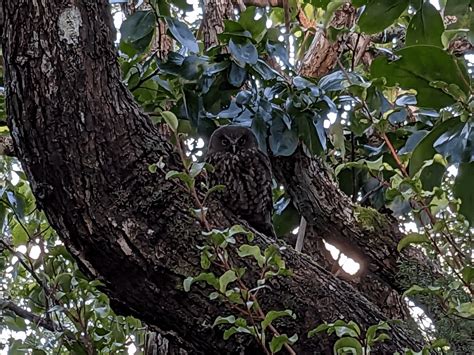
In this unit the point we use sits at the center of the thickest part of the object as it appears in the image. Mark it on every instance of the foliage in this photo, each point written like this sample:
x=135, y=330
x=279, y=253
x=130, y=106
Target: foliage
x=351, y=339
x=250, y=318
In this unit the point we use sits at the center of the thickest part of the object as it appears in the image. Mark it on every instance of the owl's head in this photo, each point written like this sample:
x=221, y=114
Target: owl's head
x=232, y=139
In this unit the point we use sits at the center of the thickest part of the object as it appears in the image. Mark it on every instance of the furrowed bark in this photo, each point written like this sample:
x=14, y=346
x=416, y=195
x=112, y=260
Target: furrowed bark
x=86, y=147
x=372, y=243
x=215, y=11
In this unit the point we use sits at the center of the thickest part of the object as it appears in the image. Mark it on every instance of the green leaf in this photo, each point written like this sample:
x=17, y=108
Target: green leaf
x=456, y=7
x=228, y=277
x=224, y=320
x=14, y=323
x=19, y=234
x=64, y=280
x=171, y=120
x=412, y=238
x=432, y=174
x=417, y=68
x=464, y=190
x=424, y=150
x=264, y=70
x=238, y=229
x=372, y=330
x=209, y=278
x=346, y=344
x=182, y=34
x=439, y=343
x=137, y=30
x=233, y=26
x=283, y=141
x=17, y=202
x=233, y=330
x=214, y=189
x=196, y=169
x=320, y=328
x=173, y=174
x=426, y=27
x=188, y=281
x=273, y=315
x=306, y=129
x=277, y=342
x=457, y=143
x=467, y=274
x=381, y=338
x=258, y=27
x=379, y=14
x=344, y=330
x=243, y=51
x=205, y=261
x=252, y=250
x=152, y=168
x=237, y=75
x=413, y=290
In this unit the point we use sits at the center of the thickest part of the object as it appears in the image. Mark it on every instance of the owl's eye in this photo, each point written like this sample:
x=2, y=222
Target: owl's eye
x=225, y=141
x=242, y=140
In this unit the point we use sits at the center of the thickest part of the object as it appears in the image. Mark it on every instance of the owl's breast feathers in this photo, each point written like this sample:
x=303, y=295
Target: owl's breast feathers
x=247, y=178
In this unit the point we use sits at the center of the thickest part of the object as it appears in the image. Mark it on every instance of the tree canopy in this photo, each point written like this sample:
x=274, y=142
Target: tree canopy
x=113, y=240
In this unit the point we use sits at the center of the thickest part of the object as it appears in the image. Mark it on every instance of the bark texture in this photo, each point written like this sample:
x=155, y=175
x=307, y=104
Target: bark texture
x=86, y=147
x=215, y=12
x=321, y=56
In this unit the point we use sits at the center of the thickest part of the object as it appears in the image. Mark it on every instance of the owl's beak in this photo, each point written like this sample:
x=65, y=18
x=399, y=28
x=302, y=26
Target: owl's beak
x=234, y=148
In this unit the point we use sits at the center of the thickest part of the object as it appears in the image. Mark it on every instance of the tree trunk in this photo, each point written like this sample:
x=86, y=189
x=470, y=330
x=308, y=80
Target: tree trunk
x=215, y=11
x=86, y=147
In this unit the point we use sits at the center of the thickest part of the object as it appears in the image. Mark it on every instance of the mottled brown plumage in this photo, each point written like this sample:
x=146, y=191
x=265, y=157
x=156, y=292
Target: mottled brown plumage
x=245, y=172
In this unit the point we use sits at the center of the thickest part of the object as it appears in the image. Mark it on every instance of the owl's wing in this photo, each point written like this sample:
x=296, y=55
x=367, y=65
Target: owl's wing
x=267, y=201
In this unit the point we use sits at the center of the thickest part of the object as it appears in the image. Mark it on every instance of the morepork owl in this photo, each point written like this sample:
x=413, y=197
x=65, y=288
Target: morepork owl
x=245, y=172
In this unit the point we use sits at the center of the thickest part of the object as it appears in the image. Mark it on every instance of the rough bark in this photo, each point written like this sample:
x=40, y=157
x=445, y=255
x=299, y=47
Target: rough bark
x=213, y=22
x=86, y=147
x=321, y=56
x=373, y=244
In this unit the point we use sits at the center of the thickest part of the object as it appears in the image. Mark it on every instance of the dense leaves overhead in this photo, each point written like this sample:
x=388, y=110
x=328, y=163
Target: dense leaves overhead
x=379, y=14
x=426, y=27
x=438, y=78
x=401, y=96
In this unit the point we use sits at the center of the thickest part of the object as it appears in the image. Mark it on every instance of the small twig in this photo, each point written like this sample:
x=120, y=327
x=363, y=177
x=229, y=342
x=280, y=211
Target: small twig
x=192, y=190
x=370, y=193
x=395, y=155
x=142, y=80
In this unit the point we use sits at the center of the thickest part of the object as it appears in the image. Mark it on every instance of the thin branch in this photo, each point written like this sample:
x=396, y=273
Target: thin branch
x=20, y=312
x=264, y=3
x=394, y=155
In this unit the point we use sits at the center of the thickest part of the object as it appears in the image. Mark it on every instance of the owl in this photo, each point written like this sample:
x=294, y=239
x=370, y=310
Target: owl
x=245, y=172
